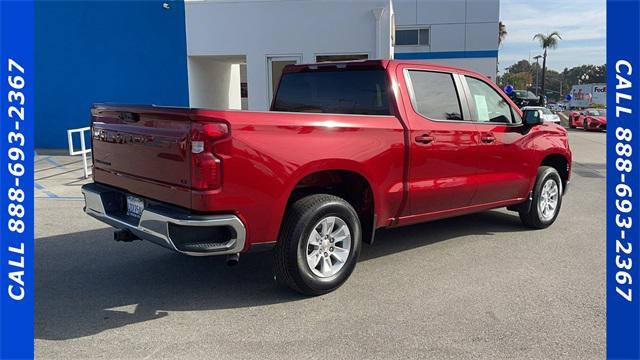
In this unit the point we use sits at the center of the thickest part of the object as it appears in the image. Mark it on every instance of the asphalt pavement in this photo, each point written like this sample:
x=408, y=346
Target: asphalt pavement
x=477, y=286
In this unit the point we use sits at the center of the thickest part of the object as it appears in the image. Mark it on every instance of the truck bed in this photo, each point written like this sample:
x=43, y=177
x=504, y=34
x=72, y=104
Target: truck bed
x=147, y=151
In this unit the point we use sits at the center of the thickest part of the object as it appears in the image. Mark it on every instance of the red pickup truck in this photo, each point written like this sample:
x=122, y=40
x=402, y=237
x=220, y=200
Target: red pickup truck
x=347, y=148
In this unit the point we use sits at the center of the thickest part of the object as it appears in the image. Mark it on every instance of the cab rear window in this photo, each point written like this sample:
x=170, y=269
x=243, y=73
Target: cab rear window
x=363, y=92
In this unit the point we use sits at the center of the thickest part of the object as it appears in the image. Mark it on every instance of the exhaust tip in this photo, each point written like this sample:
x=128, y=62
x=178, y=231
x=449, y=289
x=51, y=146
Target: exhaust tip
x=233, y=259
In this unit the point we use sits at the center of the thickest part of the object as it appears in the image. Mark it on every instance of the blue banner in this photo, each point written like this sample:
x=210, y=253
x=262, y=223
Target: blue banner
x=16, y=181
x=623, y=182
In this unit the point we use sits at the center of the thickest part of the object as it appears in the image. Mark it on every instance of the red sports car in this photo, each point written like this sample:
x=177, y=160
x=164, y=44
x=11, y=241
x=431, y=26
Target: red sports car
x=590, y=119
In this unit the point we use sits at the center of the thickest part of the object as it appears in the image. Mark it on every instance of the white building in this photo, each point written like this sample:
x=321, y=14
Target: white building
x=237, y=43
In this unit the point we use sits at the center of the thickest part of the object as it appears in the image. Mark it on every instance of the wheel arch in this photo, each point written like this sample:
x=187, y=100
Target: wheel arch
x=561, y=163
x=347, y=183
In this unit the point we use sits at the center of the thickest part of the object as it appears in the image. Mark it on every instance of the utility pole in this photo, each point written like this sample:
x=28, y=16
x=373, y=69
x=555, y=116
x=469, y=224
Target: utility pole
x=537, y=58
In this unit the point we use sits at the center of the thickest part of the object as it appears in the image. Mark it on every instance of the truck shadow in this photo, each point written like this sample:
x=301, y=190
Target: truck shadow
x=86, y=284
x=390, y=241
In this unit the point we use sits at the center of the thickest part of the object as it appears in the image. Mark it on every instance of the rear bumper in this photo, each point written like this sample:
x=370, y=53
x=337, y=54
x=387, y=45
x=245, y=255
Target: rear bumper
x=166, y=225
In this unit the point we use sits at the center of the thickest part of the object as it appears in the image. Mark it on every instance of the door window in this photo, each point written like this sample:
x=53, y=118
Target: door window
x=434, y=95
x=490, y=106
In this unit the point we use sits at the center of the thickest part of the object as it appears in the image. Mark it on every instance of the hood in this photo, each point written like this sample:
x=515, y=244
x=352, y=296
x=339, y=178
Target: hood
x=602, y=119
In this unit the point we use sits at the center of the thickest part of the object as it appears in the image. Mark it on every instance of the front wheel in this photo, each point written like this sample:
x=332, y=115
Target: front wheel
x=546, y=199
x=318, y=246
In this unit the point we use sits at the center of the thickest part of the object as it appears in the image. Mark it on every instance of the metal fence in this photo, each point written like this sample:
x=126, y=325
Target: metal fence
x=83, y=148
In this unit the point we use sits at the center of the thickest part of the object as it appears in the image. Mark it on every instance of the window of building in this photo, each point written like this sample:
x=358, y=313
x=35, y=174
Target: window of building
x=435, y=95
x=276, y=65
x=334, y=58
x=339, y=92
x=412, y=37
x=490, y=106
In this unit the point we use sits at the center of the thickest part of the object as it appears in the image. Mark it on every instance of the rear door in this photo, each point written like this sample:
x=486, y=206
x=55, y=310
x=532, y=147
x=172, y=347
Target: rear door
x=505, y=149
x=442, y=142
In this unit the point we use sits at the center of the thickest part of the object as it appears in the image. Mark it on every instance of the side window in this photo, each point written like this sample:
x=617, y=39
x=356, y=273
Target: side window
x=490, y=106
x=434, y=95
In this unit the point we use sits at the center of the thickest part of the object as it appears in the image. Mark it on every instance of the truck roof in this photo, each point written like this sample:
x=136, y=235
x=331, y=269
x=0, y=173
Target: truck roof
x=375, y=64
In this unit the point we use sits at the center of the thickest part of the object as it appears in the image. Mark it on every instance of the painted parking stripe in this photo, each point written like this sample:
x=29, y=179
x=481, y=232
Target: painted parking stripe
x=45, y=191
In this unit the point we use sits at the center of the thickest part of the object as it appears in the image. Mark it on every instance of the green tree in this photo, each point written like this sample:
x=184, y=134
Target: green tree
x=557, y=84
x=585, y=74
x=519, y=80
x=546, y=42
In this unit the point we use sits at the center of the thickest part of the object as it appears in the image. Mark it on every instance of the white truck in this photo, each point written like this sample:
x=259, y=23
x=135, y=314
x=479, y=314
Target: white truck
x=588, y=95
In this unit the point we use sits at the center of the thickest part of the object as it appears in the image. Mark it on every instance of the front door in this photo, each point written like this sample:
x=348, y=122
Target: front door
x=443, y=144
x=505, y=152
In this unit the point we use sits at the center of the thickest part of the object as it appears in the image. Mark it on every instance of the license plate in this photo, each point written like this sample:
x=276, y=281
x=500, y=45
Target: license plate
x=135, y=206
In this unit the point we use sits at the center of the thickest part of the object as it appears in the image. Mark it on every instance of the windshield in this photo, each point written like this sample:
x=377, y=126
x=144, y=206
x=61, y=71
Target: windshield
x=524, y=94
x=597, y=112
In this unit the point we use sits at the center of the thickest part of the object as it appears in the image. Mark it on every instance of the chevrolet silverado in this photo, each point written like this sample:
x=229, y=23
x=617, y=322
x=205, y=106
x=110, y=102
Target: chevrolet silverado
x=345, y=149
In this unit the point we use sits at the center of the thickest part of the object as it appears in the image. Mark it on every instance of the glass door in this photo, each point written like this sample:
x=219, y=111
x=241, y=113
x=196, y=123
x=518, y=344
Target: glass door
x=275, y=65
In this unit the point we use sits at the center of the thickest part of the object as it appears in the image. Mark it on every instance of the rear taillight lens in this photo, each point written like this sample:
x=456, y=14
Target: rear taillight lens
x=206, y=167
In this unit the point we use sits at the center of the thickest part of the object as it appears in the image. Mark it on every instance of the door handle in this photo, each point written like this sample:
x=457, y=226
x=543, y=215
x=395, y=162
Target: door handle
x=487, y=138
x=425, y=139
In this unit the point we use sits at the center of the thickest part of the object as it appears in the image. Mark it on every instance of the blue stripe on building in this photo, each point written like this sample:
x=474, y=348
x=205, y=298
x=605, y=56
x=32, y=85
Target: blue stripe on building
x=447, y=55
x=105, y=51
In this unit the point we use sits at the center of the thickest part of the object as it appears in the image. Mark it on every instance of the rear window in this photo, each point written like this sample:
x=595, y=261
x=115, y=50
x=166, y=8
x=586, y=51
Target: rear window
x=362, y=92
x=434, y=95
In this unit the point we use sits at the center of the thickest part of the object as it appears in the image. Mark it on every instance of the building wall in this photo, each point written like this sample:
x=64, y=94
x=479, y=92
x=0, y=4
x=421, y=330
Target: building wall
x=138, y=51
x=462, y=32
x=214, y=83
x=105, y=51
x=259, y=29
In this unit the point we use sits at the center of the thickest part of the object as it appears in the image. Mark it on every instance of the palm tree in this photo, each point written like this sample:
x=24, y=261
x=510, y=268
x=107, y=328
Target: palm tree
x=547, y=42
x=502, y=32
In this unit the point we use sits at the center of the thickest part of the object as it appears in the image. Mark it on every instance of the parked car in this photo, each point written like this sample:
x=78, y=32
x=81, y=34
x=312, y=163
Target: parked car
x=589, y=119
x=545, y=113
x=348, y=148
x=524, y=98
x=557, y=107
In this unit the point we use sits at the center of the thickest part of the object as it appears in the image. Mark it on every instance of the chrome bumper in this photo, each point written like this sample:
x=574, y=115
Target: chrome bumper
x=155, y=222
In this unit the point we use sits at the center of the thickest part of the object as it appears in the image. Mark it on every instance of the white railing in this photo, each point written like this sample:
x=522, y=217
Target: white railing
x=83, y=148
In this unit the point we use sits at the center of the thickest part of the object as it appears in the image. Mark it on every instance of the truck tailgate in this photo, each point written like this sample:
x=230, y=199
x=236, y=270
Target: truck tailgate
x=144, y=150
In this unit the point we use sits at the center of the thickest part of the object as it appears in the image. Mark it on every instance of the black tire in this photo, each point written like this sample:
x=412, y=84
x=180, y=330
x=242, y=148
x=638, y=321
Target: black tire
x=572, y=125
x=290, y=264
x=532, y=217
x=585, y=126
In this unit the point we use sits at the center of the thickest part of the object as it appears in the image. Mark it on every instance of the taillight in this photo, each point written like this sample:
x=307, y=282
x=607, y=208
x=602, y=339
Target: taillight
x=206, y=167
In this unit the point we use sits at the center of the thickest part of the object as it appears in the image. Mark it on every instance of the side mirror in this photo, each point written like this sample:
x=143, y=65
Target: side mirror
x=532, y=117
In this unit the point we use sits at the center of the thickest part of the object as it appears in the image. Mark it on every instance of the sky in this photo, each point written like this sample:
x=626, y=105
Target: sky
x=581, y=23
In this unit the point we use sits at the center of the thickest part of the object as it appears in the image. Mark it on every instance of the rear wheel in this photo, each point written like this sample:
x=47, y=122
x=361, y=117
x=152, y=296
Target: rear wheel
x=318, y=246
x=546, y=199
x=585, y=125
x=572, y=125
